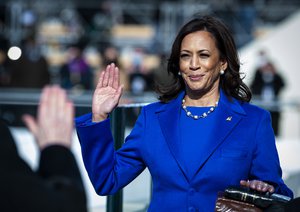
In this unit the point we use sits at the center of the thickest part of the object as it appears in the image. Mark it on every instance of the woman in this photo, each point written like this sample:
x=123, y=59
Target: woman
x=200, y=138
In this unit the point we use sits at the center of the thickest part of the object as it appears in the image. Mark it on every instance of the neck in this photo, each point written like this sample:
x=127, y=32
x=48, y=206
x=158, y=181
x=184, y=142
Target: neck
x=202, y=100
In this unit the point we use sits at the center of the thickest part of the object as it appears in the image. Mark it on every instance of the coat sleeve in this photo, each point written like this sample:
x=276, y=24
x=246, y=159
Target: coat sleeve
x=109, y=170
x=59, y=171
x=265, y=163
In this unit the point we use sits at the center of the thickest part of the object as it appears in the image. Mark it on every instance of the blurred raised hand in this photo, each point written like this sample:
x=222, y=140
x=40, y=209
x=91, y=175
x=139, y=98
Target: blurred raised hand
x=107, y=93
x=54, y=122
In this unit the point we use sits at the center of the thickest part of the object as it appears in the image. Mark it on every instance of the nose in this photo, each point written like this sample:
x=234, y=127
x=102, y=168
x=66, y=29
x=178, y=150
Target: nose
x=194, y=64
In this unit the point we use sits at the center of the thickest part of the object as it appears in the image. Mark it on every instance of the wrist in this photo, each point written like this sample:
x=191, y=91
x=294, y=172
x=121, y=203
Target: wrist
x=99, y=117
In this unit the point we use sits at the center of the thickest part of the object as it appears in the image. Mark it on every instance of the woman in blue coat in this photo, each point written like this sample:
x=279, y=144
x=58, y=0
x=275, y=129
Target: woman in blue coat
x=201, y=137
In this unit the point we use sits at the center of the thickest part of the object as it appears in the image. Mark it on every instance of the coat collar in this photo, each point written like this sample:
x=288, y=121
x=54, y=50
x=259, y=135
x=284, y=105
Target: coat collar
x=229, y=113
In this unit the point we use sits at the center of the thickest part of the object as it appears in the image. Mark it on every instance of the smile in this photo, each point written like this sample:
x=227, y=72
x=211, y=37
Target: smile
x=196, y=77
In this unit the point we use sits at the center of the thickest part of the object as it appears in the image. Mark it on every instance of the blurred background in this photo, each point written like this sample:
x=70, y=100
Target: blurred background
x=69, y=42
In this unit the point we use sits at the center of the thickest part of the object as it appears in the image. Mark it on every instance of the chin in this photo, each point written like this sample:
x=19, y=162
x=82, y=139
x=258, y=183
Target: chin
x=195, y=87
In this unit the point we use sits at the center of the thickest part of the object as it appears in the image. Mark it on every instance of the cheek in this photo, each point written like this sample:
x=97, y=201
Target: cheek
x=214, y=75
x=182, y=65
x=210, y=65
x=213, y=69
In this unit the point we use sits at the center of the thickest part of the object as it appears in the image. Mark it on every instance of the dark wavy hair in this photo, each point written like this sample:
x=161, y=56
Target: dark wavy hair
x=231, y=81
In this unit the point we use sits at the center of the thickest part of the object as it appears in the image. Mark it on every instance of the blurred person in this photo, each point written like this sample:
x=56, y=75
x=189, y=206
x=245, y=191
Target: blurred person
x=57, y=184
x=76, y=73
x=140, y=78
x=4, y=74
x=201, y=137
x=266, y=86
x=31, y=70
x=161, y=77
x=111, y=55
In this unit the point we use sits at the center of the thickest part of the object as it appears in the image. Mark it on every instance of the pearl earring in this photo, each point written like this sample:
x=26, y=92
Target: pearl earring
x=179, y=73
x=222, y=72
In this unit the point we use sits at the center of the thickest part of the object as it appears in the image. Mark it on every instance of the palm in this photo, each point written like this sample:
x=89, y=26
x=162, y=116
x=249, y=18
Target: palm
x=104, y=100
x=108, y=92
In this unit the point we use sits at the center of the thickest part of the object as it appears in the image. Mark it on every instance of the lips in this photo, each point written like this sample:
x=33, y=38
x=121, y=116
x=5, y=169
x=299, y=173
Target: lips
x=196, y=77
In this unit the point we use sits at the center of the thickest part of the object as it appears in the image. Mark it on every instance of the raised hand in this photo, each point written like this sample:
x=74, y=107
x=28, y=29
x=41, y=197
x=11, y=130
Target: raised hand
x=107, y=93
x=54, y=122
x=258, y=185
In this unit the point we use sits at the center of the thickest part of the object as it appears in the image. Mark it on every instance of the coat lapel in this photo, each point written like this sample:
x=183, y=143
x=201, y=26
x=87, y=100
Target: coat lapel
x=168, y=117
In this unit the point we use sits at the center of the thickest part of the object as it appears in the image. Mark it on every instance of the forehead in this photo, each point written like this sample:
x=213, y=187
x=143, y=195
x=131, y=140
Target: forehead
x=199, y=39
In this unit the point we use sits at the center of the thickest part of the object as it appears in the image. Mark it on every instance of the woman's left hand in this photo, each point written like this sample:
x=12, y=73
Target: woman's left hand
x=258, y=185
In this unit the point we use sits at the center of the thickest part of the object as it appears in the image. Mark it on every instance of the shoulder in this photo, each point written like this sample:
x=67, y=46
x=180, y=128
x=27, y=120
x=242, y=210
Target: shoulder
x=253, y=109
x=242, y=107
x=153, y=107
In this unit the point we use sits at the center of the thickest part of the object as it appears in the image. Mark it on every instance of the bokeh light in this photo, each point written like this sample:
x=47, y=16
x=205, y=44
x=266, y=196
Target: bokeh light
x=14, y=53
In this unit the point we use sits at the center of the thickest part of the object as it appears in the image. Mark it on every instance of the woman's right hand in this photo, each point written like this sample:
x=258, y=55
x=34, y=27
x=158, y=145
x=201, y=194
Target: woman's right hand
x=107, y=93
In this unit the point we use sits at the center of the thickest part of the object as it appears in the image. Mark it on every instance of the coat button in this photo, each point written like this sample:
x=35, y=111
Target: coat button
x=192, y=191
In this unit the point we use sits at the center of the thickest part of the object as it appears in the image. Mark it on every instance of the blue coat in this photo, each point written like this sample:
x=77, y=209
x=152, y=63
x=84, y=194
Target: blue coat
x=243, y=147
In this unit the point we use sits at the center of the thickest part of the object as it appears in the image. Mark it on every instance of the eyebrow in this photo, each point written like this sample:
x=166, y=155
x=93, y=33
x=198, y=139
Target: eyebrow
x=200, y=51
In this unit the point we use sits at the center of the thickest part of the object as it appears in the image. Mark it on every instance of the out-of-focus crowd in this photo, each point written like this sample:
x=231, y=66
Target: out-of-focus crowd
x=79, y=67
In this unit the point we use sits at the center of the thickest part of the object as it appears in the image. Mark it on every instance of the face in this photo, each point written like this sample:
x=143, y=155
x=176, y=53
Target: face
x=200, y=63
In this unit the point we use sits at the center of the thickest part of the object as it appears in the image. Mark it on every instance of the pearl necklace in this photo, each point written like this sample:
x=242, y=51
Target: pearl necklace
x=204, y=115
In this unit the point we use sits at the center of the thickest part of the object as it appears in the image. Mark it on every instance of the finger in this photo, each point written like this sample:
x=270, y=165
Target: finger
x=249, y=183
x=271, y=189
x=254, y=185
x=120, y=89
x=30, y=124
x=116, y=83
x=111, y=75
x=106, y=76
x=119, y=92
x=263, y=186
x=50, y=107
x=101, y=77
x=69, y=112
x=68, y=108
x=43, y=101
x=268, y=188
x=61, y=100
x=259, y=185
x=44, y=92
x=244, y=183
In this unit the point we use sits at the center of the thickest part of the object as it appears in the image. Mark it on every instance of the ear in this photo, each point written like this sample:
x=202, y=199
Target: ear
x=224, y=64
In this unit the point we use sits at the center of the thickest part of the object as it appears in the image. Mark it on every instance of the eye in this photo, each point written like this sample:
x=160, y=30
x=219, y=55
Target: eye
x=204, y=55
x=184, y=56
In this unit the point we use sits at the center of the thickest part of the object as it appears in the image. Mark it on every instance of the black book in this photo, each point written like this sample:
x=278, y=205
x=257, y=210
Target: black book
x=259, y=199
